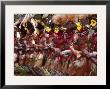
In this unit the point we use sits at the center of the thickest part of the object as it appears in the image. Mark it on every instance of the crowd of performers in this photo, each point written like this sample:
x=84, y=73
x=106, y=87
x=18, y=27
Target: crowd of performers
x=56, y=44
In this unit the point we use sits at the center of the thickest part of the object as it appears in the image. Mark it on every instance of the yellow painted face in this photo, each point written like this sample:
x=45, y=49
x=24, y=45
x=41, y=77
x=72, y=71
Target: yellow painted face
x=36, y=31
x=17, y=65
x=93, y=22
x=33, y=21
x=56, y=30
x=79, y=26
x=47, y=29
x=43, y=24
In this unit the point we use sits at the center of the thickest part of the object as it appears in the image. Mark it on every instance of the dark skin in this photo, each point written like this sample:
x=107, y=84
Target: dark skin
x=60, y=40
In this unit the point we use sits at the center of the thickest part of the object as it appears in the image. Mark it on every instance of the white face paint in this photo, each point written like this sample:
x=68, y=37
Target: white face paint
x=76, y=37
x=33, y=22
x=45, y=15
x=33, y=42
x=88, y=25
x=50, y=21
x=15, y=57
x=31, y=56
x=40, y=56
x=79, y=63
x=25, y=42
x=78, y=55
x=46, y=35
x=20, y=52
x=18, y=35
